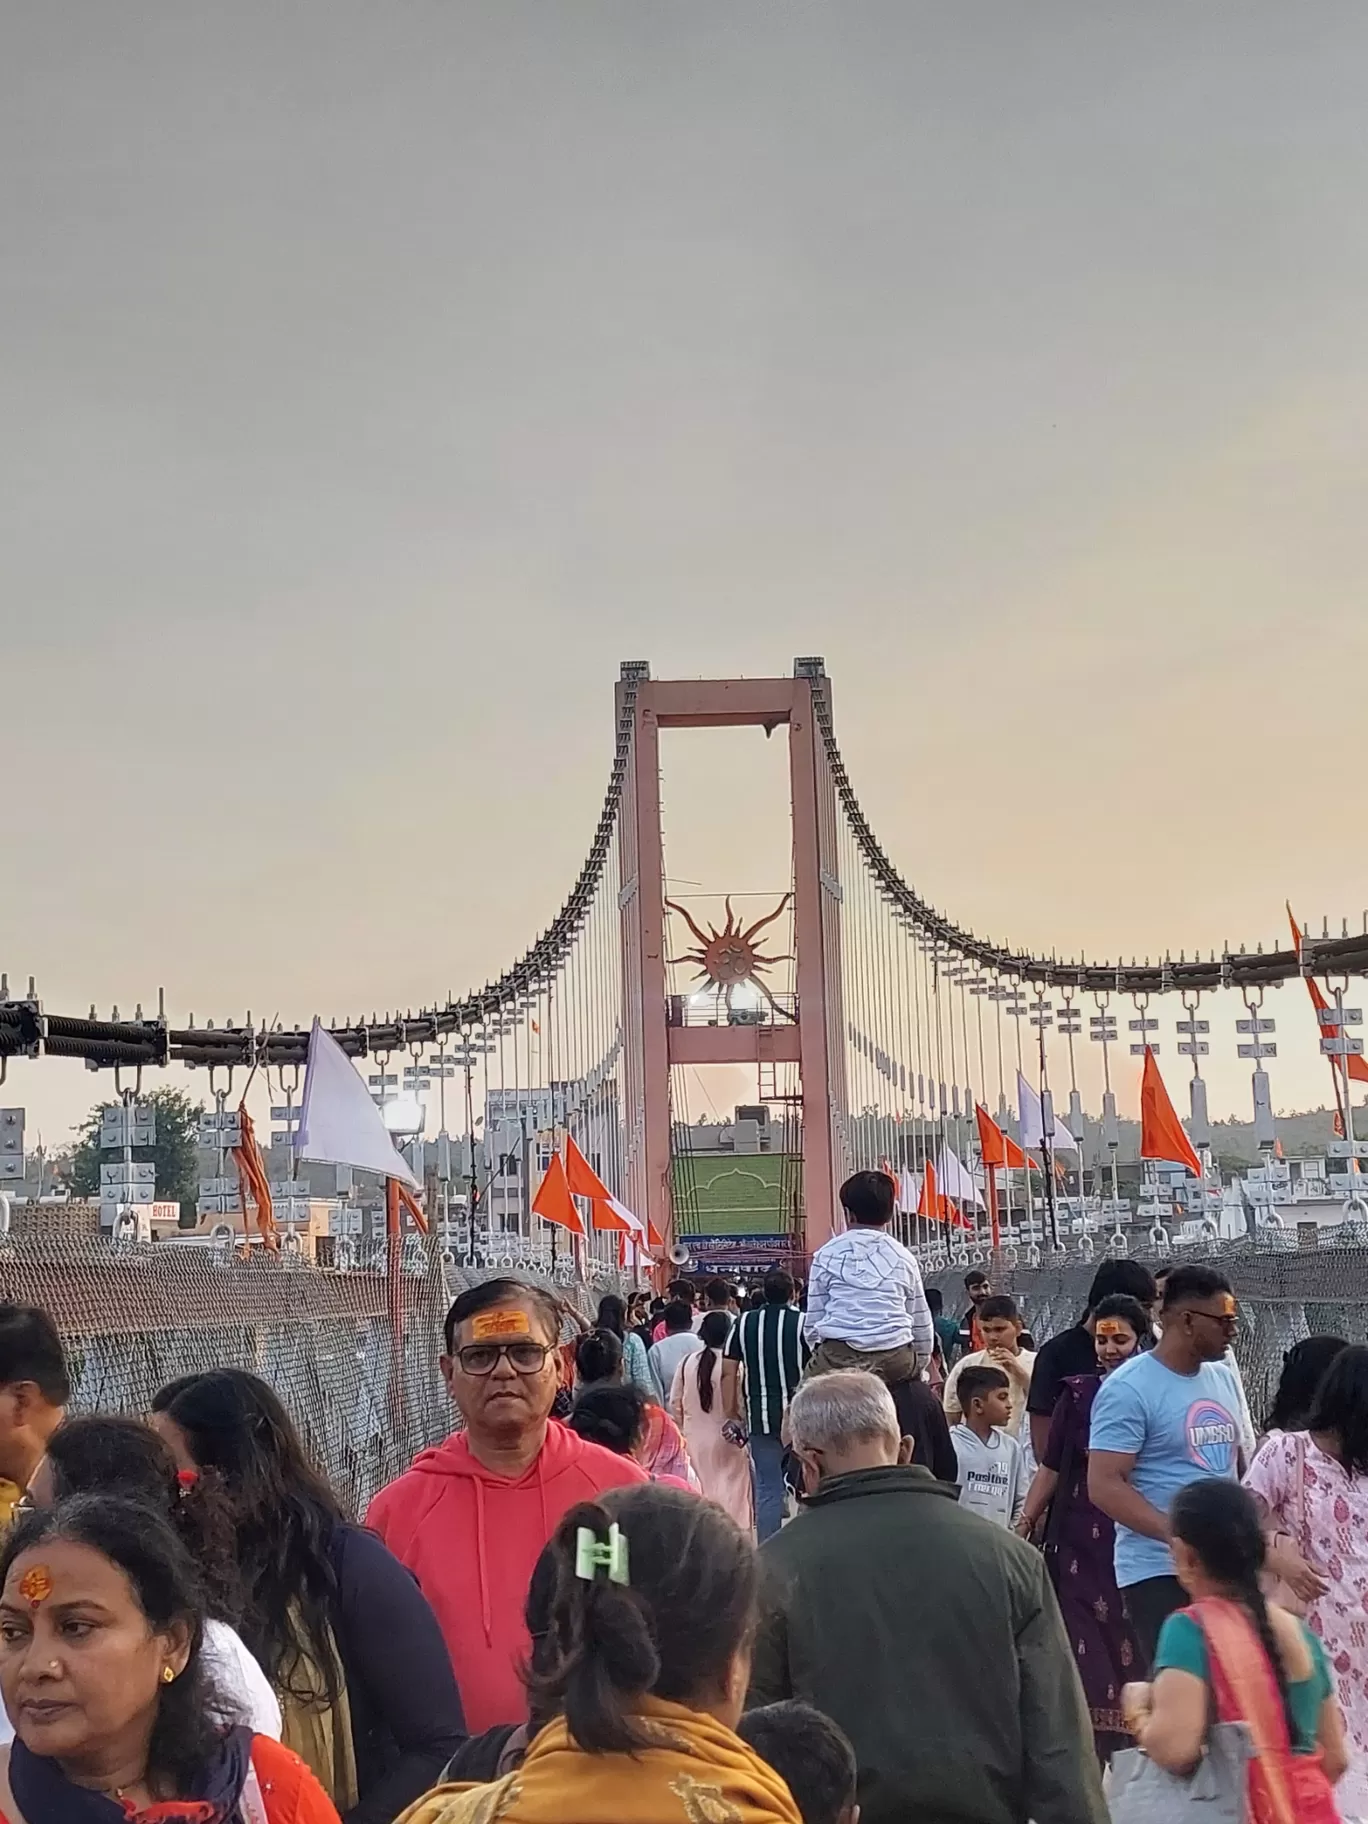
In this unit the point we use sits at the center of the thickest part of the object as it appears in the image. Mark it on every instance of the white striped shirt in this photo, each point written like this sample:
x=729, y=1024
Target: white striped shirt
x=865, y=1289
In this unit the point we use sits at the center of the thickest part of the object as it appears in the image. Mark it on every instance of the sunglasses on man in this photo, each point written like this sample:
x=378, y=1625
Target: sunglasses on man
x=1228, y=1320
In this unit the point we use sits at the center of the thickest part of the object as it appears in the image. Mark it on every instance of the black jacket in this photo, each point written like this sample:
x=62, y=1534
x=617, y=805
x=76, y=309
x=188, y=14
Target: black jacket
x=406, y=1712
x=934, y=1639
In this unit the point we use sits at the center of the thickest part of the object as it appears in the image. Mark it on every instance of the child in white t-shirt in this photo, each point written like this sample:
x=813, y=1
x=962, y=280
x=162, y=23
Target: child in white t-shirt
x=992, y=1473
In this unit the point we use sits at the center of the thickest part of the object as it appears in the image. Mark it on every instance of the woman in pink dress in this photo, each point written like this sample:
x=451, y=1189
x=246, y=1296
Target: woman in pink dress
x=723, y=1467
x=1313, y=1486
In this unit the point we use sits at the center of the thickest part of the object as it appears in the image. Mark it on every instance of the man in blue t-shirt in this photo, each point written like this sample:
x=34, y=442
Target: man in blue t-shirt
x=1160, y=1421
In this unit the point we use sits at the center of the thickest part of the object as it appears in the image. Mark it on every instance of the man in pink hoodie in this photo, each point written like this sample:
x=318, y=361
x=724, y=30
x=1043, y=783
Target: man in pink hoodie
x=471, y=1516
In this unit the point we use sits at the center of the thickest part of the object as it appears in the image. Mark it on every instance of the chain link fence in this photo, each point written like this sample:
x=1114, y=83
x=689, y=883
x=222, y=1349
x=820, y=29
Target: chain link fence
x=133, y=1317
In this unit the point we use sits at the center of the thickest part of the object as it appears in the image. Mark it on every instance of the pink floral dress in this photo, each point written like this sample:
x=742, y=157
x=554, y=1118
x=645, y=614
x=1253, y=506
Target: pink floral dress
x=1325, y=1509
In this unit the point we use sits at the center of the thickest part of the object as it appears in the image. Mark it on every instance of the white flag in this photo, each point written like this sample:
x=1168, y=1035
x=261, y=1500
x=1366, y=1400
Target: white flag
x=338, y=1122
x=1033, y=1122
x=909, y=1192
x=953, y=1180
x=634, y=1223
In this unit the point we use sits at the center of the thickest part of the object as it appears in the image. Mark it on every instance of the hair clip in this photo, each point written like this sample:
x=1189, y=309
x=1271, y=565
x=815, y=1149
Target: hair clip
x=187, y=1478
x=593, y=1554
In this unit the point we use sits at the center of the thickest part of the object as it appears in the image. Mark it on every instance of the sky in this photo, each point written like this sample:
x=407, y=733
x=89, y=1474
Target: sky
x=374, y=380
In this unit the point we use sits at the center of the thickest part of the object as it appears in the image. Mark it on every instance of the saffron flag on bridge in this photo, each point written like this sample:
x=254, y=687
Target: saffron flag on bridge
x=1162, y=1135
x=409, y=1202
x=998, y=1148
x=338, y=1122
x=934, y=1204
x=253, y=1181
x=584, y=1181
x=1357, y=1067
x=553, y=1201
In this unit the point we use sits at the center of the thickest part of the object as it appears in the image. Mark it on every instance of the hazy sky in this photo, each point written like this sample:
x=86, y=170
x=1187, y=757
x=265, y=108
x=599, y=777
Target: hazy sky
x=375, y=378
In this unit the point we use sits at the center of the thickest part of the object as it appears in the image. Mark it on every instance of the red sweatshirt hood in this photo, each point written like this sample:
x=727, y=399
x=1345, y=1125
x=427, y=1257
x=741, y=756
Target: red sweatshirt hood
x=453, y=1457
x=449, y=1503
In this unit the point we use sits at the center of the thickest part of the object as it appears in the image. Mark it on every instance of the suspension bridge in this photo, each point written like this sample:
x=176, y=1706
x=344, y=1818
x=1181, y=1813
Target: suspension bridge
x=877, y=1032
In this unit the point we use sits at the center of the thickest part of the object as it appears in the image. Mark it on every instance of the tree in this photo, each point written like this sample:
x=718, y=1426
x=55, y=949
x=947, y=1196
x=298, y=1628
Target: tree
x=175, y=1154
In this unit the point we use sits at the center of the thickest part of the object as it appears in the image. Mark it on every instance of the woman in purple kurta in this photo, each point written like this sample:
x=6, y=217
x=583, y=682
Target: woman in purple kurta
x=1079, y=1538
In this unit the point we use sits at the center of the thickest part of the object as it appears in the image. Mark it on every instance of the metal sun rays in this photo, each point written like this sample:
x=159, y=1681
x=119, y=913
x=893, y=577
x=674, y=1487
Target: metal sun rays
x=730, y=958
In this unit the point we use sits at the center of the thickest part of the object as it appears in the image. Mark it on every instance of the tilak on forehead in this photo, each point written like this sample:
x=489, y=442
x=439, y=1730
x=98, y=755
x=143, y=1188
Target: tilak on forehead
x=35, y=1585
x=1112, y=1326
x=489, y=1326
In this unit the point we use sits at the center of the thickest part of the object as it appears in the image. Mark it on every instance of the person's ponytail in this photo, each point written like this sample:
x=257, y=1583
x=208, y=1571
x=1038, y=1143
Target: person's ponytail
x=713, y=1335
x=705, y=1379
x=1219, y=1521
x=1253, y=1598
x=600, y=1653
x=666, y=1619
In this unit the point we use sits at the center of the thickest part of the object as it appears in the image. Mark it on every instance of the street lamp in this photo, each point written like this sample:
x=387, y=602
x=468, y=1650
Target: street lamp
x=404, y=1116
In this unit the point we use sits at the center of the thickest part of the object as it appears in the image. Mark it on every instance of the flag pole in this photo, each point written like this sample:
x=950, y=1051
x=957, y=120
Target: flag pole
x=394, y=1299
x=991, y=1171
x=1047, y=1142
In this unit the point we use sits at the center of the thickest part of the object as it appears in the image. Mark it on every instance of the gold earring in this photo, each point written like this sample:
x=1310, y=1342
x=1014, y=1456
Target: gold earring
x=168, y=1676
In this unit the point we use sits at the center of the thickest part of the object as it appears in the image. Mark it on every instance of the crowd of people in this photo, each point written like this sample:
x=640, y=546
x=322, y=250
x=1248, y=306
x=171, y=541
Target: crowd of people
x=807, y=1554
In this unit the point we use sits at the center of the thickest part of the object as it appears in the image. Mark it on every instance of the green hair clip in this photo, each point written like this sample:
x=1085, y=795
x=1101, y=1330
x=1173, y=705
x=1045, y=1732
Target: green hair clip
x=593, y=1554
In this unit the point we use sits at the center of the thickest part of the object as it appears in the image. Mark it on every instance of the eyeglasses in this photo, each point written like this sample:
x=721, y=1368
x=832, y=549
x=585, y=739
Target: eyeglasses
x=483, y=1358
x=1228, y=1320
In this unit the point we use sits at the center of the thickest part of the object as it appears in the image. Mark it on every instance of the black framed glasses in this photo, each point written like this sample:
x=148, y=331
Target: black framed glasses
x=483, y=1358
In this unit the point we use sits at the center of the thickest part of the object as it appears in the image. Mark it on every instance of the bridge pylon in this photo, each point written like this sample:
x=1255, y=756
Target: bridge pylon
x=814, y=1042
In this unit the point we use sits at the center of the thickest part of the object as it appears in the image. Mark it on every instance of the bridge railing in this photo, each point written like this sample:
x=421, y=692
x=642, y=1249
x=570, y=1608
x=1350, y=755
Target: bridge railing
x=135, y=1316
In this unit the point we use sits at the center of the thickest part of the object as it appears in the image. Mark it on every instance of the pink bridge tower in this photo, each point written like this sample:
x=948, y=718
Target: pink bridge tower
x=814, y=1041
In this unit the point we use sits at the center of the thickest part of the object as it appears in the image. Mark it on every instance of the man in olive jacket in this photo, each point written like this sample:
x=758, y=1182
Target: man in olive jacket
x=930, y=1635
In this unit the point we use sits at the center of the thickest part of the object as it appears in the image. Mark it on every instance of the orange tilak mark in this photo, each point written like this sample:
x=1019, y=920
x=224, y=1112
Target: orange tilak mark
x=35, y=1586
x=499, y=1323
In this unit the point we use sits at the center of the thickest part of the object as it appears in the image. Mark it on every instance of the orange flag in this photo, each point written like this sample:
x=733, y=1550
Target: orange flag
x=412, y=1205
x=997, y=1148
x=1358, y=1067
x=584, y=1181
x=252, y=1180
x=1162, y=1135
x=553, y=1201
x=934, y=1204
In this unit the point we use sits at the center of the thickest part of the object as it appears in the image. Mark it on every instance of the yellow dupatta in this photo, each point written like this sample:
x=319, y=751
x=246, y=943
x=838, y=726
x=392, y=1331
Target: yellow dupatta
x=696, y=1771
x=320, y=1732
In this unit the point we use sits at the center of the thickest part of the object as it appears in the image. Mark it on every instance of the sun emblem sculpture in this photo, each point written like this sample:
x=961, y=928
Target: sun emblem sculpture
x=730, y=958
